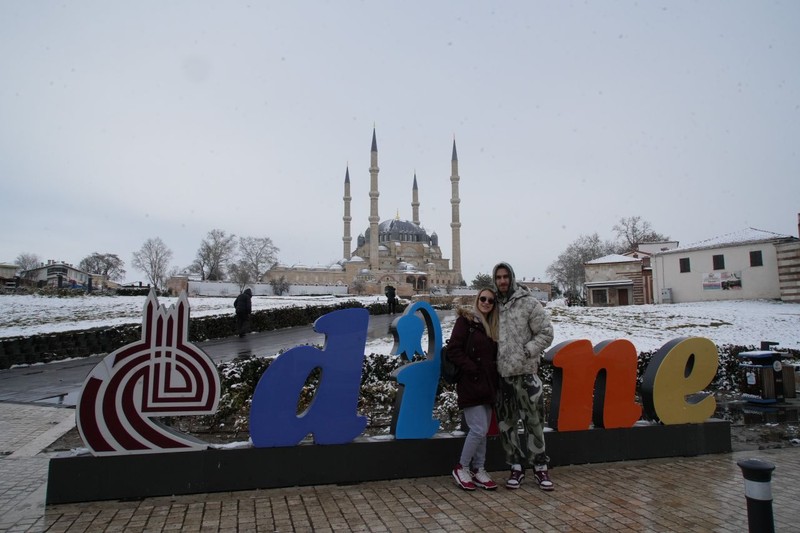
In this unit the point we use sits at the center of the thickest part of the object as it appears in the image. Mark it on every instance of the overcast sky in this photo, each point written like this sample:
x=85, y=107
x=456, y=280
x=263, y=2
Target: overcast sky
x=122, y=121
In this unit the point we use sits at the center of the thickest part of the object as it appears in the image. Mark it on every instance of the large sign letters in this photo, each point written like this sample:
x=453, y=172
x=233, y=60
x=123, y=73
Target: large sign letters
x=165, y=375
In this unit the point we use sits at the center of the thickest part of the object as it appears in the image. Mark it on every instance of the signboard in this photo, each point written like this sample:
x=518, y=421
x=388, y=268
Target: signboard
x=163, y=374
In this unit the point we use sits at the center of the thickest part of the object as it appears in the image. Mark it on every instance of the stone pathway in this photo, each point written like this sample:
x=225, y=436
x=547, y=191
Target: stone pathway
x=699, y=494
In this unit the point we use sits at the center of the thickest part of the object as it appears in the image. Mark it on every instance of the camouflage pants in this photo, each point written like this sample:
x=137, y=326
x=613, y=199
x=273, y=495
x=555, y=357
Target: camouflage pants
x=521, y=399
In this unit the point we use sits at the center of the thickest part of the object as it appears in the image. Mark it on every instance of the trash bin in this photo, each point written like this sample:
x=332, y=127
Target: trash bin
x=666, y=296
x=764, y=378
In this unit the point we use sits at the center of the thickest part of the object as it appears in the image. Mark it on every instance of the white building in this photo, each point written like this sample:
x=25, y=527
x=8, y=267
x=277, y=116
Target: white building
x=744, y=265
x=8, y=270
x=57, y=274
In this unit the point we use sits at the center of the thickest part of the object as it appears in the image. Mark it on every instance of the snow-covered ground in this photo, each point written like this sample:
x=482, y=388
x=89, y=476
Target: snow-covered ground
x=738, y=322
x=34, y=315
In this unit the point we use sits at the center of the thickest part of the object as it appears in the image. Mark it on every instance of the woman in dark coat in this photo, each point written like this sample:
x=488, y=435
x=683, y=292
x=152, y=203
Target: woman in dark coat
x=473, y=349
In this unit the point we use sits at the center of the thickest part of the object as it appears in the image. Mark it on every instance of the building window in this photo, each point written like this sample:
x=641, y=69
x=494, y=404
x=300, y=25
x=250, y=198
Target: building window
x=685, y=265
x=719, y=262
x=755, y=259
x=599, y=296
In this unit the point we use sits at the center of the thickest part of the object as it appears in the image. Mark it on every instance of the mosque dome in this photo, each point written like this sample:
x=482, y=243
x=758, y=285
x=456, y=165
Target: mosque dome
x=400, y=230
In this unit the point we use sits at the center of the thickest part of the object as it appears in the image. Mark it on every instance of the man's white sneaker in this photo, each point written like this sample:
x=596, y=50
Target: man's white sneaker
x=515, y=479
x=543, y=477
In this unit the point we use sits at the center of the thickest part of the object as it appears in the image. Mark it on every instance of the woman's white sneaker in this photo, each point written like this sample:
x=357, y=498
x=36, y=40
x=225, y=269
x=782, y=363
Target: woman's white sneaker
x=463, y=478
x=482, y=479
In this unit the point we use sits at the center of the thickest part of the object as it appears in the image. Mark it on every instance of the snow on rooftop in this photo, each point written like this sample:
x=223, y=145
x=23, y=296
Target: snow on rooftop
x=743, y=236
x=612, y=258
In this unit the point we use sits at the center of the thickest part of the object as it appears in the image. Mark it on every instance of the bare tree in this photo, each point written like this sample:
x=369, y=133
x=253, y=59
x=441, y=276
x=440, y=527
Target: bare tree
x=632, y=231
x=279, y=286
x=239, y=274
x=108, y=265
x=178, y=271
x=568, y=270
x=359, y=285
x=153, y=259
x=256, y=255
x=215, y=253
x=27, y=262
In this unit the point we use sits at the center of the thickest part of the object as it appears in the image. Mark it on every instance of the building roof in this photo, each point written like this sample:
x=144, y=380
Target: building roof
x=51, y=263
x=613, y=258
x=609, y=283
x=736, y=238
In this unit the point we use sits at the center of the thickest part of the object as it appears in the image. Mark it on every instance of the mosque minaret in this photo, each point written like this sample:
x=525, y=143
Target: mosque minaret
x=455, y=225
x=415, y=202
x=374, y=219
x=347, y=239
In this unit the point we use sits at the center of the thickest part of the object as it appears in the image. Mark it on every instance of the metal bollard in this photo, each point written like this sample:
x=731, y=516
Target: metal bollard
x=758, y=492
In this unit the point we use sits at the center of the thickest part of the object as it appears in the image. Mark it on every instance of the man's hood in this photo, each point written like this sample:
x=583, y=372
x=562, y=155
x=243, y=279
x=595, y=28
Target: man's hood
x=512, y=286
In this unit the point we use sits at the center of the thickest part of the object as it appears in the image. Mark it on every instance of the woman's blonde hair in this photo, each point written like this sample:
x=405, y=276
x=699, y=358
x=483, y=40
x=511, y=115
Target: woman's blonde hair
x=491, y=322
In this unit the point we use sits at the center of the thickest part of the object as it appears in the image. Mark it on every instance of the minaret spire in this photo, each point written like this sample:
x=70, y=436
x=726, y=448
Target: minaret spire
x=455, y=225
x=374, y=219
x=347, y=239
x=415, y=201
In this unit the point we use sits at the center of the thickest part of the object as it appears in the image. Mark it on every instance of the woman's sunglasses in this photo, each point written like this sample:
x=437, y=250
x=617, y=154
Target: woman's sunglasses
x=485, y=299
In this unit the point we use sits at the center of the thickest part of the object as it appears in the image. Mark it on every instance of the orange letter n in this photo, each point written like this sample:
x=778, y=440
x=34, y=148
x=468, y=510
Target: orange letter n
x=593, y=385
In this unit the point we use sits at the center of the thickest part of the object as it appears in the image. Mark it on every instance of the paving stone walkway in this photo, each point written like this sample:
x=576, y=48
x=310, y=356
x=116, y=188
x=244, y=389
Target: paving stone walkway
x=699, y=494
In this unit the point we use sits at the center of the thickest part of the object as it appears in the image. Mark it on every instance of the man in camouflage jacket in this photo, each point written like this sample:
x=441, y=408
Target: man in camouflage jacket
x=525, y=332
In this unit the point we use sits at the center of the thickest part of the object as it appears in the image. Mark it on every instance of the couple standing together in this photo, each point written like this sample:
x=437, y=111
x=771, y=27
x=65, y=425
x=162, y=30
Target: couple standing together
x=497, y=344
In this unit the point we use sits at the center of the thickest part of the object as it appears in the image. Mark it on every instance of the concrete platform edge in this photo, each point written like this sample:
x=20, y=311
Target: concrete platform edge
x=88, y=478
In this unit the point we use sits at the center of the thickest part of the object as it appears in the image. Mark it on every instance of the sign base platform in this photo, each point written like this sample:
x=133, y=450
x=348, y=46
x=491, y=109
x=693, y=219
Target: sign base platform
x=135, y=476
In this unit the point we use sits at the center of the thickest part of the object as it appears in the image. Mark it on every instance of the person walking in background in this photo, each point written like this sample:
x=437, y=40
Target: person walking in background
x=473, y=349
x=525, y=332
x=391, y=298
x=243, y=307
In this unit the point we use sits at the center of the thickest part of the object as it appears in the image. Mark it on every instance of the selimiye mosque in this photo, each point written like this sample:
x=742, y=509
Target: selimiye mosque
x=393, y=252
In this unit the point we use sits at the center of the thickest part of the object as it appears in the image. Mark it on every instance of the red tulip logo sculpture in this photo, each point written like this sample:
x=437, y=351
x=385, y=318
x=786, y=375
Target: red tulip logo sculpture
x=160, y=375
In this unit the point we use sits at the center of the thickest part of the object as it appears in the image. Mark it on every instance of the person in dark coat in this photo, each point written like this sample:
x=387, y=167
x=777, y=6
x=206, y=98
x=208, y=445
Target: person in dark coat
x=473, y=349
x=243, y=307
x=391, y=298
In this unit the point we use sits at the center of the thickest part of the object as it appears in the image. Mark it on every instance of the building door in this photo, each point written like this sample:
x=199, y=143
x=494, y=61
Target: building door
x=623, y=297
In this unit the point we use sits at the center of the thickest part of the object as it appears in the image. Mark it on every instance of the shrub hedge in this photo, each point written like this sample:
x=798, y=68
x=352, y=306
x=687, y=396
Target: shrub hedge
x=378, y=391
x=82, y=343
